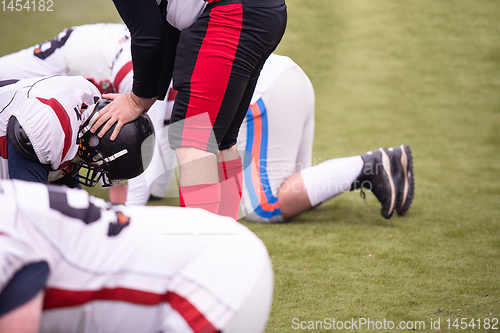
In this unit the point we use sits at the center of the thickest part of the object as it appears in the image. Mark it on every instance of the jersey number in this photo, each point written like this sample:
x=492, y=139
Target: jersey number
x=46, y=49
x=59, y=201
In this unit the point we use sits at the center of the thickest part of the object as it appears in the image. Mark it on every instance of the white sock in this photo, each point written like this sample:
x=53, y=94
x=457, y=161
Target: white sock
x=330, y=178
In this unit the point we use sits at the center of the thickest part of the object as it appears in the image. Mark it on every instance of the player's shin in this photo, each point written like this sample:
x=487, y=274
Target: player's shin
x=331, y=178
x=231, y=183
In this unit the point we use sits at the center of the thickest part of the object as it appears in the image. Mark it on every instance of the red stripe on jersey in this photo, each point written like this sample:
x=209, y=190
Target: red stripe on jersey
x=3, y=147
x=209, y=80
x=191, y=315
x=60, y=298
x=65, y=164
x=121, y=74
x=64, y=120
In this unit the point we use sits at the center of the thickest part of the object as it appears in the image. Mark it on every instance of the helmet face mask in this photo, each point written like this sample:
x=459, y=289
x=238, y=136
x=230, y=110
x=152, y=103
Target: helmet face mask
x=86, y=174
x=123, y=158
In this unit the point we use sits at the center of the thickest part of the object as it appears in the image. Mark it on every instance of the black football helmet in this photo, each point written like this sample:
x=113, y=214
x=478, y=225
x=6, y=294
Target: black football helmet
x=123, y=158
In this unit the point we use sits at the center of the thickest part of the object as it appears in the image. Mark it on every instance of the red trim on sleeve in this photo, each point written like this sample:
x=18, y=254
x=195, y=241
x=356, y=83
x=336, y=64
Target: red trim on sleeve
x=64, y=120
x=60, y=298
x=3, y=147
x=121, y=74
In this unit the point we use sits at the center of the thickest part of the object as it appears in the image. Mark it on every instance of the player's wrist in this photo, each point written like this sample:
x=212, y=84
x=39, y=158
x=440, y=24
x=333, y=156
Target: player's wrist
x=142, y=104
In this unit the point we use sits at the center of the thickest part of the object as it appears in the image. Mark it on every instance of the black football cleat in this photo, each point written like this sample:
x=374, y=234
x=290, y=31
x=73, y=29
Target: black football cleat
x=377, y=176
x=402, y=164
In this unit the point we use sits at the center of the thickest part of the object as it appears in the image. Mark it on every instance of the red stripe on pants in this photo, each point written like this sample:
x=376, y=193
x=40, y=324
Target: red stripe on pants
x=212, y=72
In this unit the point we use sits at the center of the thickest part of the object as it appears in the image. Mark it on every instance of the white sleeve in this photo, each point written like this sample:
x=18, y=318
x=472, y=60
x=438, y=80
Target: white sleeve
x=24, y=64
x=14, y=254
x=182, y=13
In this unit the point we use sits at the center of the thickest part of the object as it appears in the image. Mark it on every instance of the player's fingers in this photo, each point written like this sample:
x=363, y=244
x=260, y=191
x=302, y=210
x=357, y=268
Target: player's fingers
x=110, y=96
x=100, y=120
x=106, y=127
x=117, y=129
x=102, y=117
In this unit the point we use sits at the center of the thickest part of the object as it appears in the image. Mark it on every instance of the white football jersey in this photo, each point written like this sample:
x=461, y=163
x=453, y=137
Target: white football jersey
x=50, y=110
x=91, y=50
x=127, y=269
x=182, y=13
x=86, y=50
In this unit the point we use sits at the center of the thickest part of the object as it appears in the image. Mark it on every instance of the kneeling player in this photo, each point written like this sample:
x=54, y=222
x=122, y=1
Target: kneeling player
x=281, y=183
x=74, y=263
x=45, y=121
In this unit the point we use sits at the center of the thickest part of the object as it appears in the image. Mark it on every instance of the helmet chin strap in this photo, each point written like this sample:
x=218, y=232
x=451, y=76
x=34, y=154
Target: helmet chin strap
x=115, y=156
x=106, y=182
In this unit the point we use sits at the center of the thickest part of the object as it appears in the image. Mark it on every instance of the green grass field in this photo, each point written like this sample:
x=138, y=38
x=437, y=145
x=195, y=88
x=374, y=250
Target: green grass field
x=420, y=72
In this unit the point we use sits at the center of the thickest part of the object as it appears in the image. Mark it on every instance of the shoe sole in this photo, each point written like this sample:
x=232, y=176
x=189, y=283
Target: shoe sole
x=386, y=163
x=407, y=187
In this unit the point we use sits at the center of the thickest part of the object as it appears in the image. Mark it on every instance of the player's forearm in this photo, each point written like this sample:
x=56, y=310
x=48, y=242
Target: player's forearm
x=24, y=319
x=145, y=23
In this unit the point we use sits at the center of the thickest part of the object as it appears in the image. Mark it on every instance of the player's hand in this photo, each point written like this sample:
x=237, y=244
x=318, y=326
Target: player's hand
x=124, y=108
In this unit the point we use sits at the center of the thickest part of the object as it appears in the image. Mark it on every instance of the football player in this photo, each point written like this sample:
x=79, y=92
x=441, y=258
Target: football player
x=45, y=121
x=281, y=183
x=74, y=263
x=106, y=62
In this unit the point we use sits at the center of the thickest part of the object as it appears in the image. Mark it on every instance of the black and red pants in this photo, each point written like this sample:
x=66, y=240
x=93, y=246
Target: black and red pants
x=218, y=62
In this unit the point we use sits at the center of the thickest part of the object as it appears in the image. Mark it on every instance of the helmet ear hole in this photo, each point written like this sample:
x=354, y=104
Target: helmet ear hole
x=123, y=158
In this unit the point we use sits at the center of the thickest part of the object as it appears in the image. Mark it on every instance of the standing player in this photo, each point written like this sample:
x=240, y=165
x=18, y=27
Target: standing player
x=74, y=263
x=219, y=58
